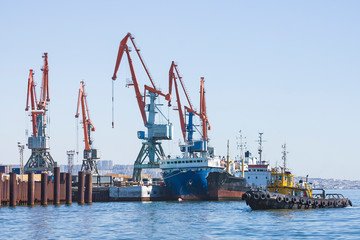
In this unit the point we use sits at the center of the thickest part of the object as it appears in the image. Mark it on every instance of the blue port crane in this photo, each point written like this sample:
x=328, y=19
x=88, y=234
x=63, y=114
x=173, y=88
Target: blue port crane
x=151, y=146
x=40, y=159
x=187, y=128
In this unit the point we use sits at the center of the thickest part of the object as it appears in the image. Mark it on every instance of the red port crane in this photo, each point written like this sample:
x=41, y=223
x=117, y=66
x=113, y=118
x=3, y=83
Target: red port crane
x=151, y=148
x=40, y=159
x=173, y=77
x=38, y=107
x=90, y=154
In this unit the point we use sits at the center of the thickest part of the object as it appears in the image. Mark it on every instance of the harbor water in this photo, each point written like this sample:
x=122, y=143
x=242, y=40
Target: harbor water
x=179, y=220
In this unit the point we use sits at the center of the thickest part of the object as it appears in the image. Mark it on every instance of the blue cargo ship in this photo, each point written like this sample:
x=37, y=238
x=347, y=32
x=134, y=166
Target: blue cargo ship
x=185, y=176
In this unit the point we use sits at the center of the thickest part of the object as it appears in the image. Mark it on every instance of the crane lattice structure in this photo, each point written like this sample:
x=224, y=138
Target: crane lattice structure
x=40, y=159
x=21, y=153
x=70, y=154
x=89, y=164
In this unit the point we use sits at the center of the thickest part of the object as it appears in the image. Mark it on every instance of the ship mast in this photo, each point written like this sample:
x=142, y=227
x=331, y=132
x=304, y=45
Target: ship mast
x=260, y=147
x=228, y=158
x=242, y=145
x=284, y=152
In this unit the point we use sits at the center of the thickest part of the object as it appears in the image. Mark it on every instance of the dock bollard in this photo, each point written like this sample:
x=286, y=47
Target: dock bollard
x=88, y=188
x=31, y=189
x=43, y=188
x=56, y=185
x=13, y=189
x=68, y=189
x=81, y=180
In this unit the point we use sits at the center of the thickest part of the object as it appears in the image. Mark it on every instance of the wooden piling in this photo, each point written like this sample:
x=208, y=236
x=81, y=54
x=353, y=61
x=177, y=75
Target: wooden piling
x=43, y=188
x=81, y=180
x=68, y=188
x=13, y=189
x=56, y=185
x=31, y=189
x=88, y=188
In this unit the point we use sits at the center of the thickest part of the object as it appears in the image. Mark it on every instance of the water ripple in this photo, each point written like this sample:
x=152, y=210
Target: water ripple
x=179, y=220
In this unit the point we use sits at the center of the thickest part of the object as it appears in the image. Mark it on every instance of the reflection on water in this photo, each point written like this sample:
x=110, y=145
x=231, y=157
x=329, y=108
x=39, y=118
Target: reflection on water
x=174, y=220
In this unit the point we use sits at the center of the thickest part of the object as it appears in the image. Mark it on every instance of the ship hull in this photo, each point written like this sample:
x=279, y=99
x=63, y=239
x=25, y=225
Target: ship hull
x=139, y=193
x=187, y=184
x=225, y=187
x=260, y=200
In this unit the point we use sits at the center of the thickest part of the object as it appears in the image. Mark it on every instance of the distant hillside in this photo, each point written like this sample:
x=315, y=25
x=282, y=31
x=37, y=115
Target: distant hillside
x=332, y=183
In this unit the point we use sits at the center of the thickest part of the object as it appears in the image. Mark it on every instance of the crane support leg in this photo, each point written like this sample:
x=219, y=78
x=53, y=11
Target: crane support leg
x=90, y=166
x=40, y=160
x=146, y=149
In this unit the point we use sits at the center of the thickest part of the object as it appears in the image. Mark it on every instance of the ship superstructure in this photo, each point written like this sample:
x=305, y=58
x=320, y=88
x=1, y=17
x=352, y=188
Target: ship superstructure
x=257, y=173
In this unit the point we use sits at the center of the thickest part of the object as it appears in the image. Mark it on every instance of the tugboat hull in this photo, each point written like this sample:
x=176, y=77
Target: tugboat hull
x=263, y=200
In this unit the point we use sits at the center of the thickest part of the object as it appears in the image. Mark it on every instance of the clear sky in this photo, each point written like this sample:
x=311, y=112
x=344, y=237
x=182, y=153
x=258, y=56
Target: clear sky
x=287, y=68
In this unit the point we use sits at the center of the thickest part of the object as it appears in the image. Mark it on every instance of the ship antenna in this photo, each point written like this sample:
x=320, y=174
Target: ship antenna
x=284, y=156
x=241, y=145
x=228, y=158
x=260, y=141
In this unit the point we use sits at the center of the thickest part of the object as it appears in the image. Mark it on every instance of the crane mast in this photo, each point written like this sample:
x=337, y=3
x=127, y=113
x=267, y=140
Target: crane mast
x=40, y=159
x=151, y=149
x=89, y=164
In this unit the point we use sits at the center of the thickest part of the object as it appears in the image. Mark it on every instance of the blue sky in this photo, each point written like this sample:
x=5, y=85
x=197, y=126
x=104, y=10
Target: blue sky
x=287, y=68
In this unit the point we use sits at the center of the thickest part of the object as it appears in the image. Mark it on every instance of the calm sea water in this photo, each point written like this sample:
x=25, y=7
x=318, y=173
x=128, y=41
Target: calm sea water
x=179, y=220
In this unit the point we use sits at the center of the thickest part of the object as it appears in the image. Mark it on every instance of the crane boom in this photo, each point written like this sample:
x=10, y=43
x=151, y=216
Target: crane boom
x=31, y=95
x=140, y=97
x=87, y=124
x=44, y=96
x=204, y=118
x=38, y=107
